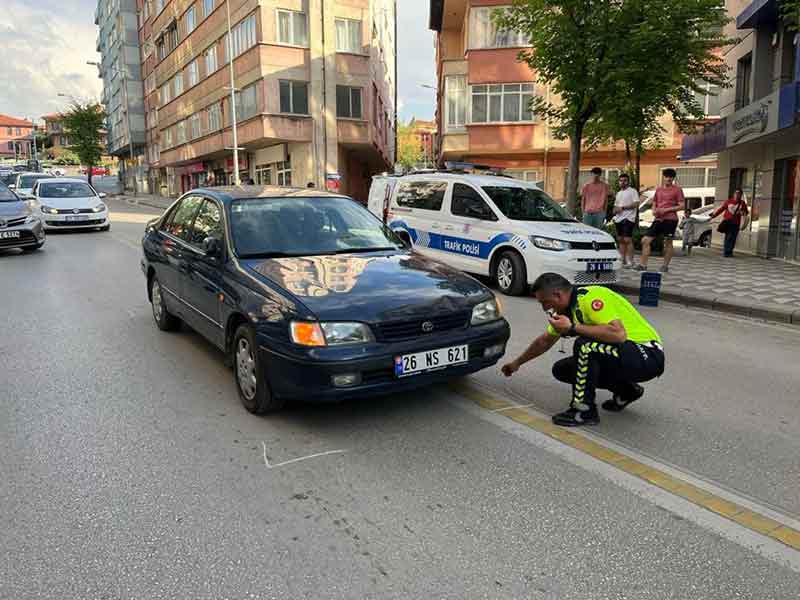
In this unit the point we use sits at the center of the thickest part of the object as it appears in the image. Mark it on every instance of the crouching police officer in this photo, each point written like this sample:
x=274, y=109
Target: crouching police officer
x=616, y=348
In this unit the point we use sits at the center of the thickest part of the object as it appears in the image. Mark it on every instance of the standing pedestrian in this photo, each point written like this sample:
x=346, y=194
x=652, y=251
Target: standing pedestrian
x=687, y=226
x=594, y=198
x=625, y=205
x=732, y=211
x=616, y=348
x=667, y=202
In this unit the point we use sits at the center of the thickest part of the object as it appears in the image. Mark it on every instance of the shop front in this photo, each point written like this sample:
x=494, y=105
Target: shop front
x=191, y=176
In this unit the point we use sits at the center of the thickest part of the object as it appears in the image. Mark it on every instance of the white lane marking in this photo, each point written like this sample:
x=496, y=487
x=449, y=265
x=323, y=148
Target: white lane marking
x=497, y=410
x=269, y=465
x=760, y=544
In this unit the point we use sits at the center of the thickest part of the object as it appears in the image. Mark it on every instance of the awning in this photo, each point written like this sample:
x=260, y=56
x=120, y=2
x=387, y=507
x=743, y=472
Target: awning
x=758, y=13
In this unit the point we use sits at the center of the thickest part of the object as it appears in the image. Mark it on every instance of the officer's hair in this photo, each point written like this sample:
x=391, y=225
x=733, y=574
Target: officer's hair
x=547, y=282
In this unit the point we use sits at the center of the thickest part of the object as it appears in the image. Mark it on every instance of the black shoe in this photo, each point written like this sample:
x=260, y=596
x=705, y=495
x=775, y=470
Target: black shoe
x=618, y=403
x=572, y=417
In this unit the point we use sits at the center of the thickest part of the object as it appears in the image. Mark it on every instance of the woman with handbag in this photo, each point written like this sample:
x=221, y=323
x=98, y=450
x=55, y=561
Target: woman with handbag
x=732, y=211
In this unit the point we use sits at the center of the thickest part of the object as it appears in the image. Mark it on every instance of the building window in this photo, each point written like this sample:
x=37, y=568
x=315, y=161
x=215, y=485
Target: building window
x=292, y=28
x=168, y=137
x=524, y=175
x=181, y=132
x=693, y=177
x=193, y=73
x=150, y=83
x=263, y=175
x=161, y=48
x=214, y=117
x=244, y=36
x=19, y=131
x=194, y=126
x=165, y=93
x=159, y=6
x=744, y=69
x=502, y=103
x=348, y=35
x=485, y=34
x=708, y=99
x=11, y=145
x=294, y=97
x=189, y=21
x=455, y=108
x=208, y=7
x=246, y=103
x=348, y=102
x=177, y=82
x=211, y=60
x=284, y=170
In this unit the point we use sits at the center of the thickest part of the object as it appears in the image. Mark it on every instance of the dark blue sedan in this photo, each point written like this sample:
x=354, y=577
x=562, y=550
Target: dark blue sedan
x=310, y=297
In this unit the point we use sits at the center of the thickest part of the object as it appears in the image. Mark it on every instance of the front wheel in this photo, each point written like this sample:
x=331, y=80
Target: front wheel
x=511, y=274
x=165, y=320
x=251, y=382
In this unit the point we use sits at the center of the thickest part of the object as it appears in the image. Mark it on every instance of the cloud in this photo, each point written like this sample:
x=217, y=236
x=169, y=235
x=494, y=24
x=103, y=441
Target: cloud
x=44, y=52
x=416, y=60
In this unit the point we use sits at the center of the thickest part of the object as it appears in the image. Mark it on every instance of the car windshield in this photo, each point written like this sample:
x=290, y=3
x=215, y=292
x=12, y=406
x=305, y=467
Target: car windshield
x=65, y=189
x=27, y=181
x=271, y=227
x=6, y=195
x=526, y=204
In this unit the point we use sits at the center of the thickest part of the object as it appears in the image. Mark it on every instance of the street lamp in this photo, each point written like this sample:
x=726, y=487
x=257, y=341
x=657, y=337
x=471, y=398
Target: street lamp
x=123, y=72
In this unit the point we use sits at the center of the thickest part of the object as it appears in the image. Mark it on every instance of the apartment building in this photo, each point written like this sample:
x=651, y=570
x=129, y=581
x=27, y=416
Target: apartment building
x=483, y=113
x=16, y=138
x=57, y=135
x=123, y=95
x=758, y=138
x=315, y=100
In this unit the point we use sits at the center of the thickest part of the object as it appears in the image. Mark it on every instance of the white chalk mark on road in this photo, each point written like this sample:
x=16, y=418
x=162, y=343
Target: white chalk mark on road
x=269, y=465
x=513, y=406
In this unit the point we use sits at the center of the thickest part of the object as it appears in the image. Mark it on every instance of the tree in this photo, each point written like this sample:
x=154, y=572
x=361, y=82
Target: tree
x=85, y=123
x=409, y=149
x=610, y=62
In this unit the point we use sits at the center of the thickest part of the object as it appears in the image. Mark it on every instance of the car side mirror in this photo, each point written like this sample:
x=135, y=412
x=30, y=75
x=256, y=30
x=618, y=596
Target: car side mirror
x=12, y=186
x=212, y=247
x=102, y=195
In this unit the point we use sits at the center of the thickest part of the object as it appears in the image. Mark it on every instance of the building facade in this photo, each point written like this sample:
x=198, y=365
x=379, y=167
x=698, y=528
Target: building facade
x=758, y=139
x=123, y=96
x=57, y=135
x=315, y=100
x=16, y=138
x=483, y=113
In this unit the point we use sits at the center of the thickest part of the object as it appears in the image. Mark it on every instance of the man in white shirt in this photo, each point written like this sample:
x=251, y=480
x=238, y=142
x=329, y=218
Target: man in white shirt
x=625, y=206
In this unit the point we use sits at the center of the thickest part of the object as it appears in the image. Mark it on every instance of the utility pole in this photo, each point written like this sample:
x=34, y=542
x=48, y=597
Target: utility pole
x=236, y=179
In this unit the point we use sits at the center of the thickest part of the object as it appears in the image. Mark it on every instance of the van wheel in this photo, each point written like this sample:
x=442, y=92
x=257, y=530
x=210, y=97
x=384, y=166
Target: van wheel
x=510, y=274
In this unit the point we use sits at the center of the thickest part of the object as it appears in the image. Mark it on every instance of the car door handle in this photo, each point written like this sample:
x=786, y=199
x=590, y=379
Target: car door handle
x=434, y=226
x=449, y=228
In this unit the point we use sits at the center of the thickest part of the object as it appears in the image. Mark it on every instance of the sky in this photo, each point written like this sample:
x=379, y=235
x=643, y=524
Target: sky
x=44, y=46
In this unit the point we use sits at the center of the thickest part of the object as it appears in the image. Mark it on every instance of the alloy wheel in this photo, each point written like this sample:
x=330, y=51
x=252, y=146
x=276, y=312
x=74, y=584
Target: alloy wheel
x=505, y=273
x=246, y=369
x=158, y=307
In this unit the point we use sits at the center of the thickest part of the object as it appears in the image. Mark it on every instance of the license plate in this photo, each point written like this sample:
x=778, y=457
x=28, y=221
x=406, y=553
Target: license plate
x=4, y=235
x=77, y=217
x=598, y=267
x=413, y=364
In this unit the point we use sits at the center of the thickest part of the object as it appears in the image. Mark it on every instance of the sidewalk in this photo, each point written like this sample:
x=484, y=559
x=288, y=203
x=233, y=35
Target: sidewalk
x=744, y=285
x=151, y=200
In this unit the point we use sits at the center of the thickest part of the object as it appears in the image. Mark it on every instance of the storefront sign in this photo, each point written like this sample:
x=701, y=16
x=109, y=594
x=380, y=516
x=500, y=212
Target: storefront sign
x=189, y=169
x=242, y=162
x=754, y=120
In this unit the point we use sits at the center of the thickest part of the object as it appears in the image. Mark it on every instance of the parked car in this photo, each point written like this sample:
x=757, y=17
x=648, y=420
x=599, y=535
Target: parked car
x=701, y=200
x=504, y=228
x=69, y=203
x=310, y=297
x=101, y=171
x=19, y=227
x=23, y=185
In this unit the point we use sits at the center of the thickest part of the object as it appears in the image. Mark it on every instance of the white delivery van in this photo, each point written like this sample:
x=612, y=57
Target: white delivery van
x=380, y=192
x=500, y=227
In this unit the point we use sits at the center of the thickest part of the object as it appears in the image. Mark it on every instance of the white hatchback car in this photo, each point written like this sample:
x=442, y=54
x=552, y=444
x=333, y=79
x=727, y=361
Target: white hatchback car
x=63, y=203
x=504, y=228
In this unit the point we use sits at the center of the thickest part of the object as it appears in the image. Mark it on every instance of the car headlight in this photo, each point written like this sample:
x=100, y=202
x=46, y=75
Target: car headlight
x=99, y=208
x=486, y=312
x=48, y=210
x=329, y=334
x=550, y=243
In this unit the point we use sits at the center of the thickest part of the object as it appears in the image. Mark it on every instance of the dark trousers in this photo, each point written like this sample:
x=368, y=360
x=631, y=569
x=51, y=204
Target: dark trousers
x=730, y=239
x=614, y=367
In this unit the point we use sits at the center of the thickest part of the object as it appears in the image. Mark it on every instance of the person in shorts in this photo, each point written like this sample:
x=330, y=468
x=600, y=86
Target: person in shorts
x=625, y=205
x=667, y=202
x=594, y=198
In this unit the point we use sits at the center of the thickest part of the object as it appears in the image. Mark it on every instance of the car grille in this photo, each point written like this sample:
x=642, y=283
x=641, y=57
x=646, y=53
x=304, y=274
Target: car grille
x=71, y=211
x=25, y=237
x=74, y=223
x=589, y=246
x=601, y=278
x=15, y=221
x=401, y=330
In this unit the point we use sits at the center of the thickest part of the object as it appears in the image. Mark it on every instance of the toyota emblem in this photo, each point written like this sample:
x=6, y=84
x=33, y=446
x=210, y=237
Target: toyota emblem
x=427, y=327
x=595, y=246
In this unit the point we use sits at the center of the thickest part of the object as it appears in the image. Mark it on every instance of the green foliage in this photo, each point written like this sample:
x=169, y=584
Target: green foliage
x=64, y=156
x=85, y=123
x=790, y=11
x=409, y=149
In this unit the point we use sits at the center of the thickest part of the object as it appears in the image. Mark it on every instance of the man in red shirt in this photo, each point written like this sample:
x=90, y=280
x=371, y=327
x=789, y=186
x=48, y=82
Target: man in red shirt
x=732, y=211
x=594, y=199
x=666, y=204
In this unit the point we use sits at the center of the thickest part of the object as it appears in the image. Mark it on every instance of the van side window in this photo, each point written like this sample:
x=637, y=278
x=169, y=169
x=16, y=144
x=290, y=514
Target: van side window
x=468, y=203
x=425, y=195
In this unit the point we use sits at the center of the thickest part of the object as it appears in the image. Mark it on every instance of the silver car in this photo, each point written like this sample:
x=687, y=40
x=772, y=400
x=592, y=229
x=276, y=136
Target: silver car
x=19, y=227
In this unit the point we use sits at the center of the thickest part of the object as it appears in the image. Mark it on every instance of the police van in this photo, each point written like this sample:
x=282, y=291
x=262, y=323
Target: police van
x=504, y=228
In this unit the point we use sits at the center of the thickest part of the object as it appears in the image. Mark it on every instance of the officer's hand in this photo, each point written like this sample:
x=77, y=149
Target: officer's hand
x=560, y=323
x=510, y=368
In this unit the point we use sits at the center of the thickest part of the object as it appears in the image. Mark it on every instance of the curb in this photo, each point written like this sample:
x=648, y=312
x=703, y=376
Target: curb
x=766, y=311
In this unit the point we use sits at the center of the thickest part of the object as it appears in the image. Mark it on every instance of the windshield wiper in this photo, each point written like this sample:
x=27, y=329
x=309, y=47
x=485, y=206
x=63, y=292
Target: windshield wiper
x=360, y=250
x=272, y=255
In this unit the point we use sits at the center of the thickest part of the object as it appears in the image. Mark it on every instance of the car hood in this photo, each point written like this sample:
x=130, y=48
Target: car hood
x=14, y=209
x=88, y=202
x=572, y=231
x=371, y=287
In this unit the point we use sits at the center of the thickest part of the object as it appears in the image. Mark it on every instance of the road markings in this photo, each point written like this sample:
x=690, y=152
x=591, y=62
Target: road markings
x=752, y=518
x=269, y=465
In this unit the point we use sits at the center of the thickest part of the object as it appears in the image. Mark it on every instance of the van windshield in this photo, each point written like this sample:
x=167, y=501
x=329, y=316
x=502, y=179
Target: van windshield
x=526, y=204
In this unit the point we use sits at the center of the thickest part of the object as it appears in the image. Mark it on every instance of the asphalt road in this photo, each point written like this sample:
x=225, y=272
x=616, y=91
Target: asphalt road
x=130, y=470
